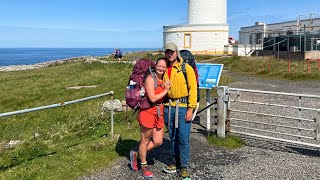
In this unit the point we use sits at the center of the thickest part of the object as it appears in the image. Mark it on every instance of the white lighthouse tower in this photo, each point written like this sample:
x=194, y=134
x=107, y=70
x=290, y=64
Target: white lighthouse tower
x=207, y=29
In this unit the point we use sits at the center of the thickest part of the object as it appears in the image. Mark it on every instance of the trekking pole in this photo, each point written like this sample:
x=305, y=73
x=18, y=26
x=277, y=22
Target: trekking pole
x=195, y=112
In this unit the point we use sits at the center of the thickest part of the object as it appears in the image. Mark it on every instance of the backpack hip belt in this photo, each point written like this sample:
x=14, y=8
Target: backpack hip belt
x=181, y=100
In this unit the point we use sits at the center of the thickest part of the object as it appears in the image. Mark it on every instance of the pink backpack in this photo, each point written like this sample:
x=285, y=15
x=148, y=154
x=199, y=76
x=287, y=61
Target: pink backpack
x=135, y=93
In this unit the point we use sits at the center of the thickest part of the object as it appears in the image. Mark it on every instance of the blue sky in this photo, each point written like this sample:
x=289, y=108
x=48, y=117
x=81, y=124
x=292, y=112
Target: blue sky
x=123, y=23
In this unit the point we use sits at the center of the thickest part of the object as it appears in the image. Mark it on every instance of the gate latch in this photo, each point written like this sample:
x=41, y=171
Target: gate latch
x=225, y=98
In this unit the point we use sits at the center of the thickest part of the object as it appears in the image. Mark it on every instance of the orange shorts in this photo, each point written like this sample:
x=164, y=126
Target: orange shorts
x=149, y=118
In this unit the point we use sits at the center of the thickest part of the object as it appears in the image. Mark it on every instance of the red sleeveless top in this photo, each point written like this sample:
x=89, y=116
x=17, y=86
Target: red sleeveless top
x=159, y=89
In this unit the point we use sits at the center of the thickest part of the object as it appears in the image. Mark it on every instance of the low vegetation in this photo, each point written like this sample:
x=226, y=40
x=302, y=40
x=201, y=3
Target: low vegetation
x=230, y=141
x=270, y=67
x=75, y=140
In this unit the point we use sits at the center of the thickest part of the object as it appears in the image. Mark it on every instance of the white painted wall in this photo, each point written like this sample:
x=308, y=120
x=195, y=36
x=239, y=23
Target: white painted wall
x=207, y=12
x=203, y=37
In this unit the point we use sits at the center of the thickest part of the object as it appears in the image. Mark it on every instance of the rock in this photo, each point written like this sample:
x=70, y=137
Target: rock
x=13, y=144
x=125, y=107
x=116, y=105
x=47, y=63
x=89, y=60
x=123, y=103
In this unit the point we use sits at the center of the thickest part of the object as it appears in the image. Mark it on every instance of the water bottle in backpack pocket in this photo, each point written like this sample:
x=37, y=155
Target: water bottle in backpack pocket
x=135, y=93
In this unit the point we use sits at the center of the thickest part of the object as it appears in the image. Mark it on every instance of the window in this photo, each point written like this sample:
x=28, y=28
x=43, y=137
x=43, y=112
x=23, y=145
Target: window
x=187, y=40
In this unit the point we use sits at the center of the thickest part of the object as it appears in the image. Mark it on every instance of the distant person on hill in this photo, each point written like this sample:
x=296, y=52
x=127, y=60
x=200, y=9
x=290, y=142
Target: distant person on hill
x=118, y=54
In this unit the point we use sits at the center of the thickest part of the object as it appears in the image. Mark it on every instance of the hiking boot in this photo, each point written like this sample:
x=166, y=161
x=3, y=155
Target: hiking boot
x=134, y=160
x=146, y=171
x=170, y=169
x=185, y=174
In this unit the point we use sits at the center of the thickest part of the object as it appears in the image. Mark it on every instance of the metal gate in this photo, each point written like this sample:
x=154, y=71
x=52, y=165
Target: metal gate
x=288, y=117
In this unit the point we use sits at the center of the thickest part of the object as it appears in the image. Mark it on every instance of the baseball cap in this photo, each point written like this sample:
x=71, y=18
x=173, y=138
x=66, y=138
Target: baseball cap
x=170, y=46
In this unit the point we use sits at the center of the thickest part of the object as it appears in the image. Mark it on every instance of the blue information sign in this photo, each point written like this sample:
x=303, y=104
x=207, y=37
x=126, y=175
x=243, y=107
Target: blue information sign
x=209, y=75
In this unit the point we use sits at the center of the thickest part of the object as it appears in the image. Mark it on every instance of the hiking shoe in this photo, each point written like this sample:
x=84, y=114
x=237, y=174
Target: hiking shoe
x=146, y=171
x=170, y=169
x=185, y=174
x=134, y=160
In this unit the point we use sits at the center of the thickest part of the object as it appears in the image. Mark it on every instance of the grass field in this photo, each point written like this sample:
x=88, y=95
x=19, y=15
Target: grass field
x=63, y=142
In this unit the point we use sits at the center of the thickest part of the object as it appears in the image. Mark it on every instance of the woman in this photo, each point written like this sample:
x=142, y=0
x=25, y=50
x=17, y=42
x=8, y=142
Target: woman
x=151, y=120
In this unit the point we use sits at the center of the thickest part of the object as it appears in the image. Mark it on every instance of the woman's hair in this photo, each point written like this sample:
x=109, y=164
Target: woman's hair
x=179, y=58
x=159, y=59
x=162, y=58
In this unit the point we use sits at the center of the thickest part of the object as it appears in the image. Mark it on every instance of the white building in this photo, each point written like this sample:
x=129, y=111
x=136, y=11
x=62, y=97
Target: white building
x=253, y=36
x=207, y=30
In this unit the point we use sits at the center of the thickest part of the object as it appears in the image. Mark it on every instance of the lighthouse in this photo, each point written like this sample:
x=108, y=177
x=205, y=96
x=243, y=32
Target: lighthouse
x=207, y=29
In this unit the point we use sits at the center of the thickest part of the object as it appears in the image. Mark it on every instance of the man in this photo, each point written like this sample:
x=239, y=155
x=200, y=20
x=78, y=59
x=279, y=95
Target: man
x=179, y=111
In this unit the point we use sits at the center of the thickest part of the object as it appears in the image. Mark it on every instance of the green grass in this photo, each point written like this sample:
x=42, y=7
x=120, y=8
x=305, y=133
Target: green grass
x=258, y=66
x=64, y=142
x=230, y=141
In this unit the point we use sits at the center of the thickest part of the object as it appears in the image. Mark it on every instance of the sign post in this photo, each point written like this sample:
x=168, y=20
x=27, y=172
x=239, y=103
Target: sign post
x=209, y=77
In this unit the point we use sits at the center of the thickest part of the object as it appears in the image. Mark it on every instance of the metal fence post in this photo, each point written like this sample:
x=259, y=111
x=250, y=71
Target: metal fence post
x=208, y=110
x=222, y=111
x=112, y=99
x=318, y=124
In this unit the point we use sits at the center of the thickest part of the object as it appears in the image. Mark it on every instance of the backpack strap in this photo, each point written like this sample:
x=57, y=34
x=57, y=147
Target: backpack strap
x=184, y=71
x=154, y=78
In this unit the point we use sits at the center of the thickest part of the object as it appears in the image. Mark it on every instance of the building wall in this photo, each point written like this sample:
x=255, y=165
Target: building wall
x=250, y=34
x=203, y=37
x=246, y=32
x=207, y=12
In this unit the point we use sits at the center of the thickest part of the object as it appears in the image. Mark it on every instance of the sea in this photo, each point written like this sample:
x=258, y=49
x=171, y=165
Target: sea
x=28, y=56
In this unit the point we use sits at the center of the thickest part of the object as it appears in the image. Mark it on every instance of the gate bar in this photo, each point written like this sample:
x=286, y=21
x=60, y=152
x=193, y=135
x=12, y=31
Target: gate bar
x=277, y=105
x=278, y=139
x=54, y=105
x=298, y=136
x=273, y=92
x=287, y=117
x=278, y=125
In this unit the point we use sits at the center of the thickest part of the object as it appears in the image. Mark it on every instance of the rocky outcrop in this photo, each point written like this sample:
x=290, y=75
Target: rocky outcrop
x=87, y=59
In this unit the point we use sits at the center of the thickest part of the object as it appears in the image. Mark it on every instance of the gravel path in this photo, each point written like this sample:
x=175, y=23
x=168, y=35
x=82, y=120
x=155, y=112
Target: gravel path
x=260, y=159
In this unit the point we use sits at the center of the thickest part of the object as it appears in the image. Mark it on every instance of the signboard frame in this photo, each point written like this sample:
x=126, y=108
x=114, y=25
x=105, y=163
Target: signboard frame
x=209, y=75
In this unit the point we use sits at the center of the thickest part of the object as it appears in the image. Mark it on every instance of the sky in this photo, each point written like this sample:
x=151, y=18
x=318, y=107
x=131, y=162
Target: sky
x=124, y=23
